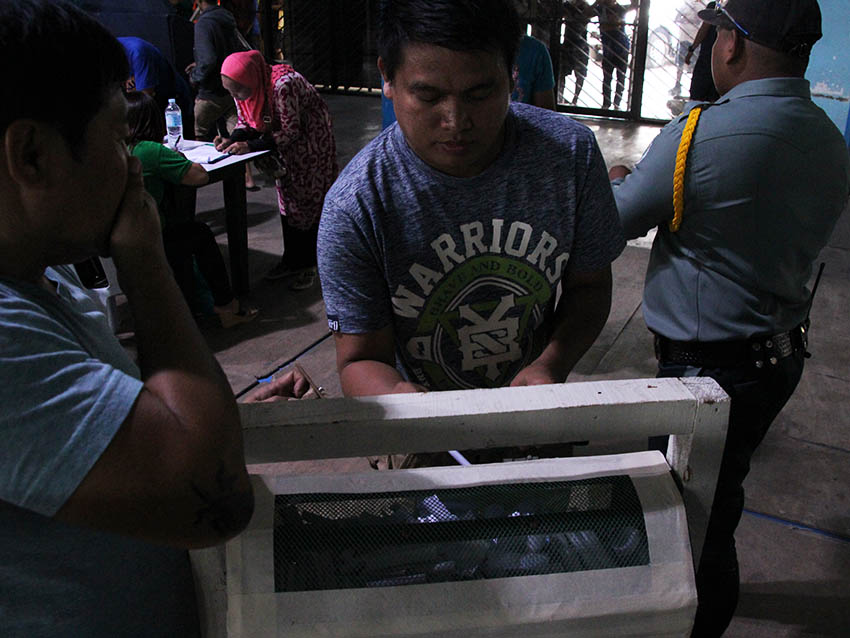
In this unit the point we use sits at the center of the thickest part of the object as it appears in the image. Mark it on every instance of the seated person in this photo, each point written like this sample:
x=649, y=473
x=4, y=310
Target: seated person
x=109, y=470
x=183, y=239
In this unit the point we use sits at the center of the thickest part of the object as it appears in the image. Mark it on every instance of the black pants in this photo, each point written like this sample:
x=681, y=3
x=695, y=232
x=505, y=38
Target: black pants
x=758, y=395
x=185, y=240
x=299, y=246
x=615, y=56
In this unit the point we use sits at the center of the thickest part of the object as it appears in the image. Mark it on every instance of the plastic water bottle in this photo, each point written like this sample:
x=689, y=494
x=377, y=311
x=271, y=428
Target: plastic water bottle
x=173, y=123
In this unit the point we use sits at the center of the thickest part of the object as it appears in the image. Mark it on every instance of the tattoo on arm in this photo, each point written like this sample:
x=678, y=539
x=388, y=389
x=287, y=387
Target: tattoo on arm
x=224, y=507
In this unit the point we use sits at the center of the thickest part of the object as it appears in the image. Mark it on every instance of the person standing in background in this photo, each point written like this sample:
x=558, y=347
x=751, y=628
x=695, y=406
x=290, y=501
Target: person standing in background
x=247, y=21
x=576, y=50
x=216, y=37
x=615, y=47
x=532, y=75
x=702, y=84
x=280, y=111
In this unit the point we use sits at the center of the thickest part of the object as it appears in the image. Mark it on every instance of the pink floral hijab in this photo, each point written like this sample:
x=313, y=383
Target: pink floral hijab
x=249, y=69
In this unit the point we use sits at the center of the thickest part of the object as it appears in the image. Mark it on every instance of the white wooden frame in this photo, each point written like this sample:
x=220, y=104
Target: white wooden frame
x=694, y=410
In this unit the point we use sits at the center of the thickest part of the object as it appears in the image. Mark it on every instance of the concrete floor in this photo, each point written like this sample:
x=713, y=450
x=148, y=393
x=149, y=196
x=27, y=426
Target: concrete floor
x=794, y=539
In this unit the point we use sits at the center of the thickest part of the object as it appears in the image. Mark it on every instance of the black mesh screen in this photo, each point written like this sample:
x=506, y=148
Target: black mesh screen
x=340, y=541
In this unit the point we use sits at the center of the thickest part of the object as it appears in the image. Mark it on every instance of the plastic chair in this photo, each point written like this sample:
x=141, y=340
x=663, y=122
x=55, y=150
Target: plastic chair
x=98, y=275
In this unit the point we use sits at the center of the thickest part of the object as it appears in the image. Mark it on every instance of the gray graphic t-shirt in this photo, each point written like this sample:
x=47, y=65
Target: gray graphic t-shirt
x=466, y=270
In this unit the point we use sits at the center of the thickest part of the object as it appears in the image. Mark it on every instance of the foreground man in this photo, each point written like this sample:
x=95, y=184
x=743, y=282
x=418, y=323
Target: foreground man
x=108, y=472
x=444, y=243
x=765, y=182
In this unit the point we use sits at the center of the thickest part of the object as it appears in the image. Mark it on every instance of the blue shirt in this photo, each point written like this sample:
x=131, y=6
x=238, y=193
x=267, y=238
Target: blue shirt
x=767, y=178
x=532, y=72
x=152, y=70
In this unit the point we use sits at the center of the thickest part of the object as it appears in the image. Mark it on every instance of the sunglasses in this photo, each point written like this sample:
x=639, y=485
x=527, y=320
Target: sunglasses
x=720, y=10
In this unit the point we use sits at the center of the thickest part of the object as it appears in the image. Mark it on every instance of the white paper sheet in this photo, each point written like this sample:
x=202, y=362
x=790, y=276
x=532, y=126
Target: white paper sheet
x=203, y=154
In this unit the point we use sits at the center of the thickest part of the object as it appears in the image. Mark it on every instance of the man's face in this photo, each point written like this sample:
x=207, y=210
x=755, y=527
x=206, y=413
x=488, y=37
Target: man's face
x=451, y=106
x=93, y=180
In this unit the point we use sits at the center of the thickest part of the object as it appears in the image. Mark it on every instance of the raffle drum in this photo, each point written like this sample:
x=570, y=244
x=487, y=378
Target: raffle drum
x=584, y=546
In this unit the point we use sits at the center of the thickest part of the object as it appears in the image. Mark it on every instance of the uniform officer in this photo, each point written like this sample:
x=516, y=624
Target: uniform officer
x=760, y=181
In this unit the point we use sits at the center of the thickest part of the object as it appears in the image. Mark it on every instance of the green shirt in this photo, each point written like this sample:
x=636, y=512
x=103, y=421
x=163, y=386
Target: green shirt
x=159, y=165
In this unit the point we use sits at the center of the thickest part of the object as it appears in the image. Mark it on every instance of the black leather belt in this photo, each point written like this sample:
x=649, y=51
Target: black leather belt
x=758, y=351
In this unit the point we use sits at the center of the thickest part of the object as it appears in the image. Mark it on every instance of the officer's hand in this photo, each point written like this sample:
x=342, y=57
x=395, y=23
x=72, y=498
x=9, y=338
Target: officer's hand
x=618, y=171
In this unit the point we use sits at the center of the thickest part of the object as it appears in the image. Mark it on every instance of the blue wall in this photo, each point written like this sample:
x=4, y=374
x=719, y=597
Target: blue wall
x=829, y=68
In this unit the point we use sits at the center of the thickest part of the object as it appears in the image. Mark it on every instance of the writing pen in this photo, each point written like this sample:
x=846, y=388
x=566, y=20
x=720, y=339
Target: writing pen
x=218, y=159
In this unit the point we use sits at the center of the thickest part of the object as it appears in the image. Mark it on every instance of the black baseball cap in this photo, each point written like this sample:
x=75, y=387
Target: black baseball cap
x=790, y=26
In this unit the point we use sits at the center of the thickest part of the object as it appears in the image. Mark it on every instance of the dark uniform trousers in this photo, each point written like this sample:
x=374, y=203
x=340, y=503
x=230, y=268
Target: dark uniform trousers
x=758, y=394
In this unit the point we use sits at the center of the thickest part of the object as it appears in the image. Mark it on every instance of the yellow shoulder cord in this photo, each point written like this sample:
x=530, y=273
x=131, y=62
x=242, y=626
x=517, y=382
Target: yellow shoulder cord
x=681, y=165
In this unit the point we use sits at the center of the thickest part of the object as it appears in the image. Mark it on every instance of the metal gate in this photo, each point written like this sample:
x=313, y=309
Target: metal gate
x=332, y=42
x=631, y=49
x=617, y=58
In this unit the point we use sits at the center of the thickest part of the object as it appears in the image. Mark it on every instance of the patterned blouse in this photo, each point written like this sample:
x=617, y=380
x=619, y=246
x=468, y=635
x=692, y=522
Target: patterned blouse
x=303, y=136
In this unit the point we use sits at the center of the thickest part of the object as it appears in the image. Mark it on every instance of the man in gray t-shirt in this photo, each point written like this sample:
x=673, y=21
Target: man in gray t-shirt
x=109, y=471
x=444, y=244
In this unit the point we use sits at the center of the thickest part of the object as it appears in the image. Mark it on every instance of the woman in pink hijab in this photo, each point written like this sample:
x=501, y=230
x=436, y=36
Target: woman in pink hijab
x=280, y=111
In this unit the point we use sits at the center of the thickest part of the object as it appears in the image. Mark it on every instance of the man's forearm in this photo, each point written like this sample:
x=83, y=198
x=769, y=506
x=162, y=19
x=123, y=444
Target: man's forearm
x=581, y=315
x=371, y=378
x=175, y=361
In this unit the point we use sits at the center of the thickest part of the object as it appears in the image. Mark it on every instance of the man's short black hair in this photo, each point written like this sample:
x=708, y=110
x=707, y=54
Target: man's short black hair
x=58, y=65
x=460, y=25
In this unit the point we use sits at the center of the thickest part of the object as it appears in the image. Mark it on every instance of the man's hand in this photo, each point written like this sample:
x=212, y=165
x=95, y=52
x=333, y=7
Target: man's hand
x=406, y=387
x=688, y=56
x=292, y=385
x=536, y=374
x=617, y=171
x=190, y=68
x=136, y=229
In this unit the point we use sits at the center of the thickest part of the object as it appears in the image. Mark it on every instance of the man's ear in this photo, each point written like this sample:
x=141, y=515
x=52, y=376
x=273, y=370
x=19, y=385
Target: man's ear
x=738, y=47
x=388, y=87
x=729, y=45
x=27, y=148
